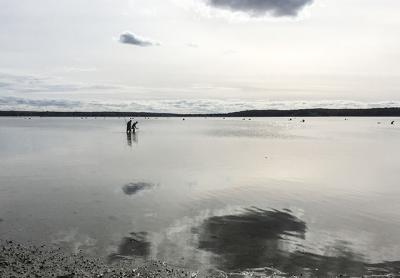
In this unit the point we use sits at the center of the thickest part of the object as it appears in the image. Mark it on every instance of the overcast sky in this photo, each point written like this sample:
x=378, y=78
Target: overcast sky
x=198, y=55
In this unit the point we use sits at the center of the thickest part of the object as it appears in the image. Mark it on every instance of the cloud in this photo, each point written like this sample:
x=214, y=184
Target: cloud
x=176, y=105
x=10, y=83
x=130, y=38
x=16, y=103
x=192, y=45
x=30, y=92
x=256, y=8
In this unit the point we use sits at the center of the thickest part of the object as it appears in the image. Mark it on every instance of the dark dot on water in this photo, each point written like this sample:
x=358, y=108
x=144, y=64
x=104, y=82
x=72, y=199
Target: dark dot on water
x=1, y=219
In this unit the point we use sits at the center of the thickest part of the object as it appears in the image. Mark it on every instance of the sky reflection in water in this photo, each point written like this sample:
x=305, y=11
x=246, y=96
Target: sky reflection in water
x=208, y=192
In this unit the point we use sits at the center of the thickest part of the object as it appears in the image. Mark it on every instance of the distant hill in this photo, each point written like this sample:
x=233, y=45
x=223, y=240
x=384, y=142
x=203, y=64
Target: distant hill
x=318, y=112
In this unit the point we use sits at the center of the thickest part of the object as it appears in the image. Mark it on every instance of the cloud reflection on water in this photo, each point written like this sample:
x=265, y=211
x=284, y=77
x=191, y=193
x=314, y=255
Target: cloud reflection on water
x=257, y=238
x=254, y=240
x=135, y=187
x=134, y=245
x=250, y=239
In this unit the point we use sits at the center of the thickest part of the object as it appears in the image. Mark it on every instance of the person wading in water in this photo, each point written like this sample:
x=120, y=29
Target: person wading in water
x=129, y=126
x=134, y=127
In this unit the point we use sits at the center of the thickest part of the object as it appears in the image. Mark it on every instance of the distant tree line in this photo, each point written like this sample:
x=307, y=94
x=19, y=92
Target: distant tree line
x=318, y=112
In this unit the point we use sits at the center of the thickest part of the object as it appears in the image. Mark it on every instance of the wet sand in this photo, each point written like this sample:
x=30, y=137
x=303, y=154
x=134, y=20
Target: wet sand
x=18, y=260
x=22, y=260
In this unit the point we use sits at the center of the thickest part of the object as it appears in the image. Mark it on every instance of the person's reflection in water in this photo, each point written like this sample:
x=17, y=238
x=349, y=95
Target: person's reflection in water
x=131, y=137
x=135, y=137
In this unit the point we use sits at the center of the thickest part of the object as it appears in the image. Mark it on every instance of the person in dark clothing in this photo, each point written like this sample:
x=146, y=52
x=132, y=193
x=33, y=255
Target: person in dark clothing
x=134, y=126
x=129, y=126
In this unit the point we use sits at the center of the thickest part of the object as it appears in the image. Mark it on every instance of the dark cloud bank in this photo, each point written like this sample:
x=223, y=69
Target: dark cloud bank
x=130, y=38
x=261, y=7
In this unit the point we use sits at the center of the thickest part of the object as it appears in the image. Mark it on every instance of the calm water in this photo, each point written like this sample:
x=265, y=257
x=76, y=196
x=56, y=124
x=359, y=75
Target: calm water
x=231, y=194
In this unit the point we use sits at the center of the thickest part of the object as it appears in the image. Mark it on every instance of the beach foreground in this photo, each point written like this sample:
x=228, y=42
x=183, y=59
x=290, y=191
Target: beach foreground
x=20, y=260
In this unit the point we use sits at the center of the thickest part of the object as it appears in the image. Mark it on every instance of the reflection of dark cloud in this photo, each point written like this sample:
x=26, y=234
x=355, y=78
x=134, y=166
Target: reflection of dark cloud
x=133, y=188
x=135, y=245
x=256, y=238
x=338, y=259
x=74, y=240
x=249, y=239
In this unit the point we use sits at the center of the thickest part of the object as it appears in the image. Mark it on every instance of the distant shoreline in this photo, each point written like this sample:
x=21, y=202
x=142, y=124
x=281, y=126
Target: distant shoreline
x=317, y=112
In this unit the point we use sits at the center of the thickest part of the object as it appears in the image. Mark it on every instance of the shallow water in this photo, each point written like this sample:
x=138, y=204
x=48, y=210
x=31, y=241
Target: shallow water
x=318, y=197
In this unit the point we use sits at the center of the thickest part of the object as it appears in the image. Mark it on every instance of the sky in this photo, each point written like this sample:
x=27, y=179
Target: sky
x=198, y=55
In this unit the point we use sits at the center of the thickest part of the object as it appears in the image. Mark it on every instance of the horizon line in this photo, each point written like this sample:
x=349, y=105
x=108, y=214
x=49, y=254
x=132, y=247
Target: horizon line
x=303, y=112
